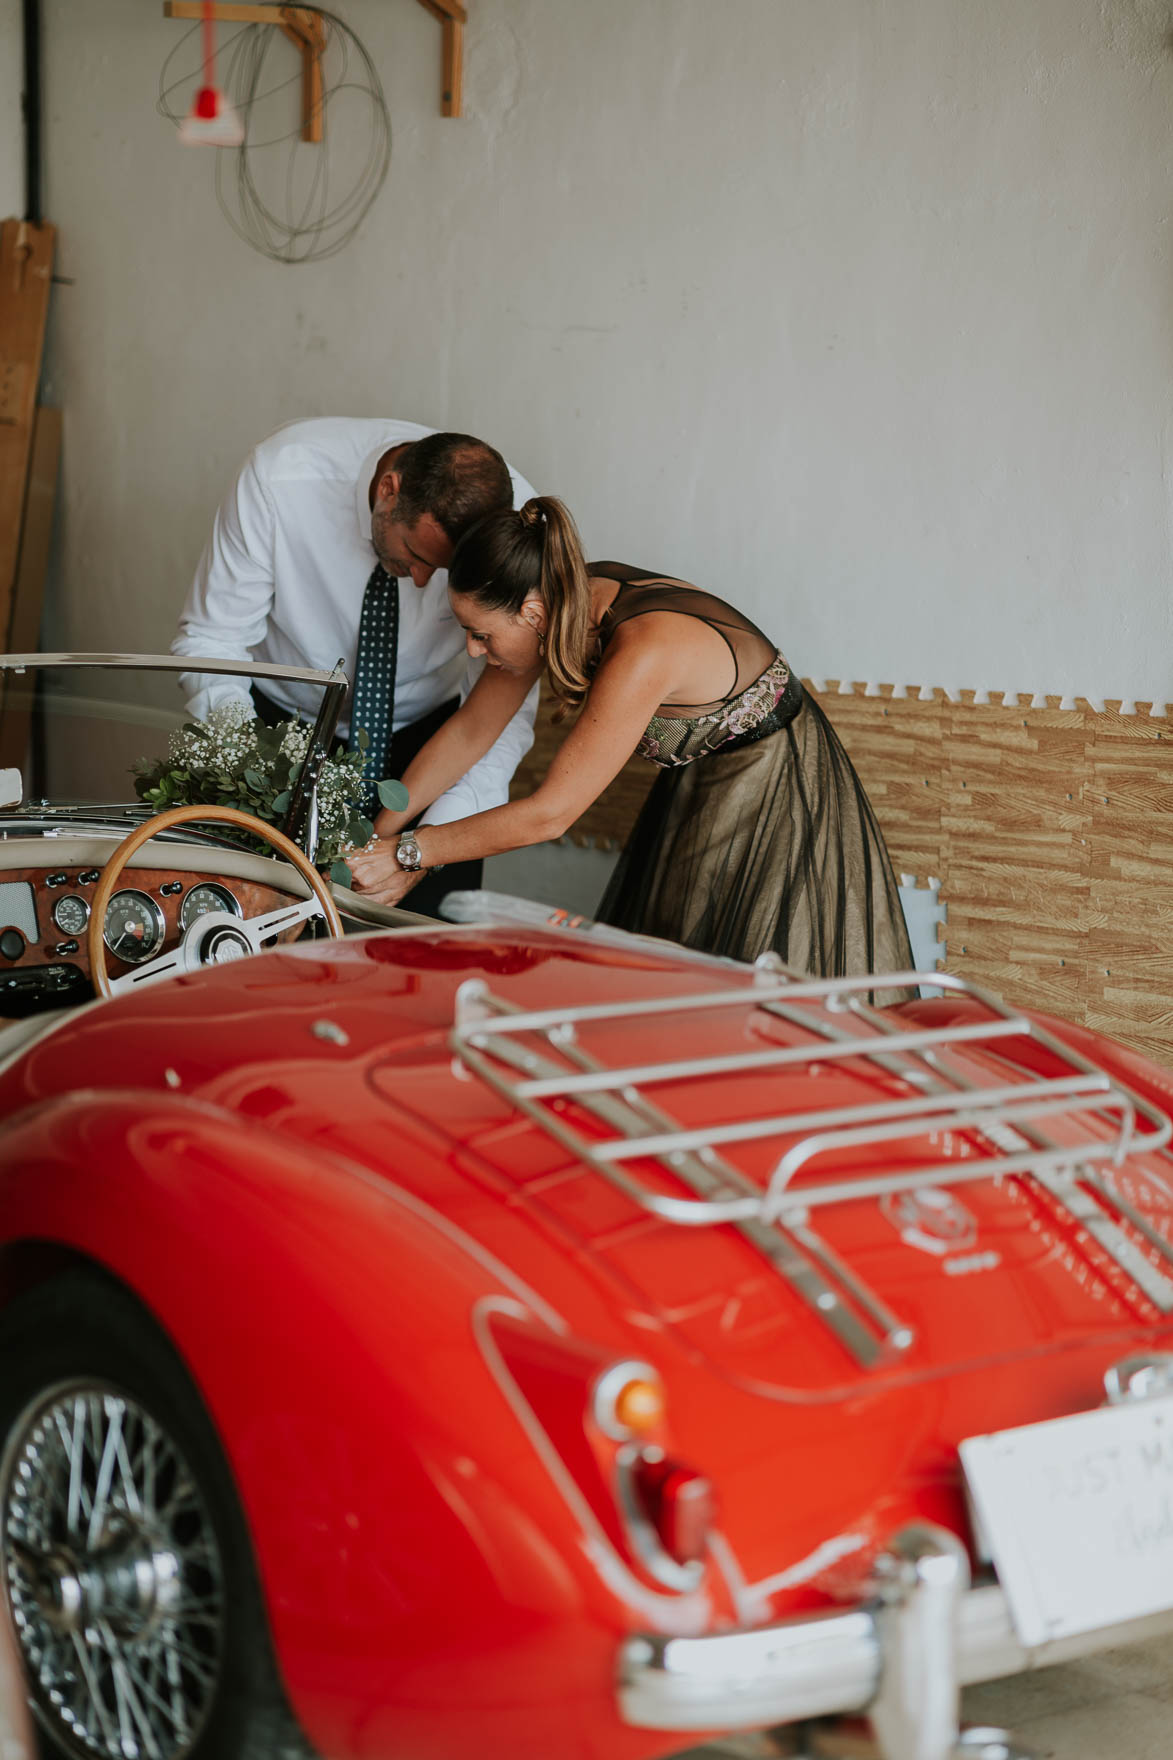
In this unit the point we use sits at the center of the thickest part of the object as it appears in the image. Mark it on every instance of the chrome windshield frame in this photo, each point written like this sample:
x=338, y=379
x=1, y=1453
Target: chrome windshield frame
x=300, y=821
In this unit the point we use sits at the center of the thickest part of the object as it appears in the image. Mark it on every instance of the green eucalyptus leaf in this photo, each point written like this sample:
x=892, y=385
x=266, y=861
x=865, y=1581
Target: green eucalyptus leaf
x=282, y=800
x=392, y=794
x=340, y=874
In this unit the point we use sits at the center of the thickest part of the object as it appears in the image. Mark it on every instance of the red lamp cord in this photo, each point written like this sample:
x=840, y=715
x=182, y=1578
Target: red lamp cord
x=207, y=99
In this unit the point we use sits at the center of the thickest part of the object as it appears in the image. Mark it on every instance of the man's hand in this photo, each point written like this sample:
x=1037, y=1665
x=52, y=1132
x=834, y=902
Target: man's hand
x=377, y=874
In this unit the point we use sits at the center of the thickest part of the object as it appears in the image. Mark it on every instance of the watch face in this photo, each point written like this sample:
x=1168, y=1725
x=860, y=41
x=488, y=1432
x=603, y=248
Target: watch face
x=408, y=853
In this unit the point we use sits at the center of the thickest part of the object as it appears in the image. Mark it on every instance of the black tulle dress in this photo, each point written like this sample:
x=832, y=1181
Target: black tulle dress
x=758, y=833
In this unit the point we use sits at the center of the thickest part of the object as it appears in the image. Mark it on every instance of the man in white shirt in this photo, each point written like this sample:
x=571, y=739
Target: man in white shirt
x=284, y=572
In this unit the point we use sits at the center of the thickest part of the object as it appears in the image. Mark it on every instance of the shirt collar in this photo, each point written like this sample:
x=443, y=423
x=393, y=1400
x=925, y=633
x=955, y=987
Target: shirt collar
x=362, y=489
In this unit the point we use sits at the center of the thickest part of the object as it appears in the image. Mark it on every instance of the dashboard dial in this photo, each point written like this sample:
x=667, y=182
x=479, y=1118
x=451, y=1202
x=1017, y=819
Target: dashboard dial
x=134, y=928
x=204, y=898
x=71, y=914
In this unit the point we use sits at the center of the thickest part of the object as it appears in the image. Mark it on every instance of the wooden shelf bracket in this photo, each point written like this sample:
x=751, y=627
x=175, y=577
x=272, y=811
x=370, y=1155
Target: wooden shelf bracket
x=307, y=32
x=453, y=17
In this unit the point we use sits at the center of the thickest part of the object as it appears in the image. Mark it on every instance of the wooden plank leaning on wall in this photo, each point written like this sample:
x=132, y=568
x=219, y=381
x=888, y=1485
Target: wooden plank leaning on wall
x=24, y=628
x=26, y=269
x=1051, y=831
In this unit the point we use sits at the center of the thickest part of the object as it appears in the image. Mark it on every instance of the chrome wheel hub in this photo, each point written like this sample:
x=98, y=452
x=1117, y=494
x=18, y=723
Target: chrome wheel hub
x=113, y=1575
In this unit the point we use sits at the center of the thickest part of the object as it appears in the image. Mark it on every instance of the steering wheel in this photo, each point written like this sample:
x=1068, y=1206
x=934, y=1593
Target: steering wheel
x=217, y=936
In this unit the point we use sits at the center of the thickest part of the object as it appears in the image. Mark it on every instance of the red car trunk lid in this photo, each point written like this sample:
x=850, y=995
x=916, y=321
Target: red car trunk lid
x=819, y=1195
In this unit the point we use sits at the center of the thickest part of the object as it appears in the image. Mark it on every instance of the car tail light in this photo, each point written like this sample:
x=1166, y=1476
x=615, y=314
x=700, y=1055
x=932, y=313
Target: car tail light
x=629, y=1401
x=607, y=1419
x=679, y=1503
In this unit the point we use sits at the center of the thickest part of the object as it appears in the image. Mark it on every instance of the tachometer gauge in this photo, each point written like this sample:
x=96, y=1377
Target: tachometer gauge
x=204, y=898
x=71, y=914
x=134, y=927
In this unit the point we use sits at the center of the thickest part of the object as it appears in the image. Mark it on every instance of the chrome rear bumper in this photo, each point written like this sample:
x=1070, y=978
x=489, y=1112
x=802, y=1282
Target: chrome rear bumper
x=902, y=1660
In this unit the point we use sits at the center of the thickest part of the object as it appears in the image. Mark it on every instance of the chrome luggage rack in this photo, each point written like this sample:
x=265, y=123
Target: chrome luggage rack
x=495, y=1039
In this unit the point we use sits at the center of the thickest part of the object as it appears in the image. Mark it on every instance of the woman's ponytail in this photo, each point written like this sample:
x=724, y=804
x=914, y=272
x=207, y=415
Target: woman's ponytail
x=567, y=598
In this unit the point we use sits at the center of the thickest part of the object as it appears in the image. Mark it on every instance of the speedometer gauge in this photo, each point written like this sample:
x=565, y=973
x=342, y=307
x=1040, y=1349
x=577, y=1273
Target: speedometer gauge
x=204, y=898
x=134, y=927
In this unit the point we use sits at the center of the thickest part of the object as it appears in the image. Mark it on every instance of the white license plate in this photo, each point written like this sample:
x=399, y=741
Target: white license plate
x=1078, y=1515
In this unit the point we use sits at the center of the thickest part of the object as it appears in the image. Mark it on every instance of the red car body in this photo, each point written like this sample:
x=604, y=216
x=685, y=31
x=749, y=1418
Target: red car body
x=396, y=1285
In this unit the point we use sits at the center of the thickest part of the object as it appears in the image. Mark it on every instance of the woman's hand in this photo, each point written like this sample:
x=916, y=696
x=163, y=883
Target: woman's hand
x=377, y=874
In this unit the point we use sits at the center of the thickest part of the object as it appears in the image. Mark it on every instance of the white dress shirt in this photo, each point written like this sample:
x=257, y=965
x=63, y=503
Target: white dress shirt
x=283, y=576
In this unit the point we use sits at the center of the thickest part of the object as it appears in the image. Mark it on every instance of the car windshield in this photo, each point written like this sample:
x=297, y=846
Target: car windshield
x=83, y=730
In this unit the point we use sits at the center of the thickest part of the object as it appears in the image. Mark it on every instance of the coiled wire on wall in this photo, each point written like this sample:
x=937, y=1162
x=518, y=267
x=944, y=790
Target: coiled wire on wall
x=294, y=220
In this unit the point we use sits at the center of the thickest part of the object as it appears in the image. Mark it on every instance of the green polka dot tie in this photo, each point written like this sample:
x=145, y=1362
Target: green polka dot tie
x=373, y=702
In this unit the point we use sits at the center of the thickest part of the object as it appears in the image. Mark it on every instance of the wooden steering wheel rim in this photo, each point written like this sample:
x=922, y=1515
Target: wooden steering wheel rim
x=118, y=858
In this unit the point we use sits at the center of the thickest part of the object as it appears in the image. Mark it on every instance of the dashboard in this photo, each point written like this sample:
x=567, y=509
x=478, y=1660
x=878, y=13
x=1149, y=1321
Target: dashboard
x=45, y=916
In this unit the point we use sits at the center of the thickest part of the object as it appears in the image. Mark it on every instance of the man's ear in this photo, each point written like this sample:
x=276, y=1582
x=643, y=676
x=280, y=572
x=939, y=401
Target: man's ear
x=387, y=487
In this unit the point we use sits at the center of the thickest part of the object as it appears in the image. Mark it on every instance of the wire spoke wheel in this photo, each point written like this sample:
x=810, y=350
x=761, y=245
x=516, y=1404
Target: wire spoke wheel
x=113, y=1573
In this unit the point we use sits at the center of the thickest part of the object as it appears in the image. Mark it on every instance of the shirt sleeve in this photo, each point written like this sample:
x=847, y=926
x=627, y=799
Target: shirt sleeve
x=487, y=783
x=227, y=609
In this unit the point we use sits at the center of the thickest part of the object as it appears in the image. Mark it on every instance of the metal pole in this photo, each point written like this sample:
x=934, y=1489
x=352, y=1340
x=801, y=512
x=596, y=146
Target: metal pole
x=31, y=104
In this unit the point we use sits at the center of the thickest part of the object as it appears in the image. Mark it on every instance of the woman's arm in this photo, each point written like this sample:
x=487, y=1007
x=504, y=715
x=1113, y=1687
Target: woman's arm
x=453, y=750
x=632, y=681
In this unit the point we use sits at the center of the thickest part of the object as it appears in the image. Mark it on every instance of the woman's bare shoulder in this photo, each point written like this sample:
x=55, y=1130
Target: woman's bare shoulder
x=661, y=639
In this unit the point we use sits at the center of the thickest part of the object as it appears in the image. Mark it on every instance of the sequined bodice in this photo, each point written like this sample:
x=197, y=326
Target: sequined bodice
x=670, y=740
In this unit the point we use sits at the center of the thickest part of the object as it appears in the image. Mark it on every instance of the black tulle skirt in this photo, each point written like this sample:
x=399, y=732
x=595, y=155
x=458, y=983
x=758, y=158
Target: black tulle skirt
x=774, y=845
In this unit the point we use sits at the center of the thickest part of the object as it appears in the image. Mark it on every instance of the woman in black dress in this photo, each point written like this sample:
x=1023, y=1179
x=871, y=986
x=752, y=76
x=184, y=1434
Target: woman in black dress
x=757, y=833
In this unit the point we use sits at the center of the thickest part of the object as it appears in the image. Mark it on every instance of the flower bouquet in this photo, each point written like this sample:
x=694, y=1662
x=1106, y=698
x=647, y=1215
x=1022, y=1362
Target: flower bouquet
x=233, y=759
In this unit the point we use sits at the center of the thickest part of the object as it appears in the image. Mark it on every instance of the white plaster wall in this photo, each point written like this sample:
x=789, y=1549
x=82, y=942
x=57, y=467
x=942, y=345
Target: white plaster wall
x=860, y=311
x=12, y=190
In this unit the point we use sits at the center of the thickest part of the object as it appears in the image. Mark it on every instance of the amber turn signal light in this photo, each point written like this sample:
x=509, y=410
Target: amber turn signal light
x=639, y=1406
x=629, y=1401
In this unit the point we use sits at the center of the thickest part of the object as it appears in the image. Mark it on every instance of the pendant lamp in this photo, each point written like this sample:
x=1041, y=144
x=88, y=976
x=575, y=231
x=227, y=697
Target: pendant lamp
x=211, y=121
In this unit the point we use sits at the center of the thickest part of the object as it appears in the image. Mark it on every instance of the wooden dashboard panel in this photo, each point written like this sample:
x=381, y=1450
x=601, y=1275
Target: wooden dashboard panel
x=53, y=946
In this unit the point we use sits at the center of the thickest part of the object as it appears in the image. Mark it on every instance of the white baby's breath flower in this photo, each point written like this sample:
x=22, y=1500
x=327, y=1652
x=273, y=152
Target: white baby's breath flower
x=232, y=758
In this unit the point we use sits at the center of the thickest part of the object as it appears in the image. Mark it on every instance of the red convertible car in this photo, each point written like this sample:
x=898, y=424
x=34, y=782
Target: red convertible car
x=508, y=1340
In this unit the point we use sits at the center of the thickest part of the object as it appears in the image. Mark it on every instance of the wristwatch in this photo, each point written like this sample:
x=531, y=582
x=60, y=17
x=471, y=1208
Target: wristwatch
x=409, y=855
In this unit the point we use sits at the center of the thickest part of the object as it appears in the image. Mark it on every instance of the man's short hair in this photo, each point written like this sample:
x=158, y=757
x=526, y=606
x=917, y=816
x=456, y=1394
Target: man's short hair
x=454, y=478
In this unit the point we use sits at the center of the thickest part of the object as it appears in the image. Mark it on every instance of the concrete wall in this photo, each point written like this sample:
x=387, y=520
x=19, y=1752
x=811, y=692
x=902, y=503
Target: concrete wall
x=860, y=312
